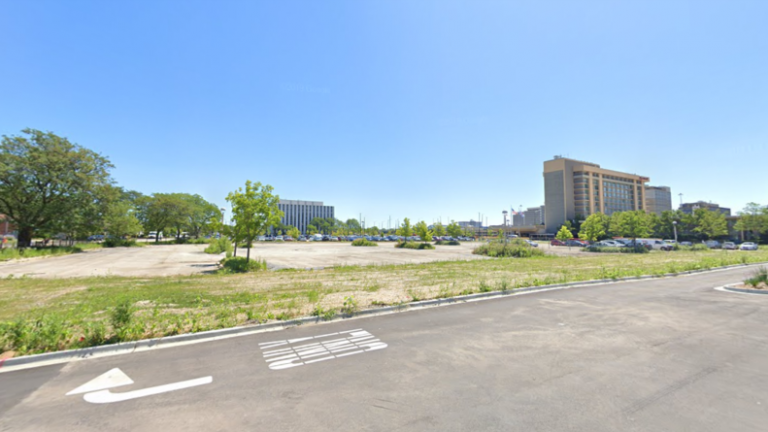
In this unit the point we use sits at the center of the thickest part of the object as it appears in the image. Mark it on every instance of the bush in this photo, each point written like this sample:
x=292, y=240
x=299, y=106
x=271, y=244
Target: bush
x=363, y=242
x=218, y=246
x=516, y=248
x=118, y=242
x=413, y=245
x=447, y=243
x=758, y=278
x=694, y=248
x=239, y=265
x=15, y=253
x=607, y=249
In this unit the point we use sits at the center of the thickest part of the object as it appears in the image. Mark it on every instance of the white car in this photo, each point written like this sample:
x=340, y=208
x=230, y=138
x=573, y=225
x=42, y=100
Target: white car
x=748, y=246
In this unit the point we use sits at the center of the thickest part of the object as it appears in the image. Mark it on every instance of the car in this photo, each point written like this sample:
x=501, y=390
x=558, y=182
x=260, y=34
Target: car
x=748, y=246
x=656, y=244
x=556, y=242
x=576, y=243
x=686, y=243
x=713, y=244
x=609, y=243
x=261, y=238
x=729, y=246
x=155, y=235
x=279, y=238
x=531, y=243
x=287, y=238
x=670, y=242
x=96, y=237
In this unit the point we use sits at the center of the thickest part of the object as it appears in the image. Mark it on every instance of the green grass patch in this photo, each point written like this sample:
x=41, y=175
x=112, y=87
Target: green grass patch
x=759, y=278
x=363, y=242
x=242, y=265
x=413, y=245
x=514, y=248
x=15, y=253
x=608, y=249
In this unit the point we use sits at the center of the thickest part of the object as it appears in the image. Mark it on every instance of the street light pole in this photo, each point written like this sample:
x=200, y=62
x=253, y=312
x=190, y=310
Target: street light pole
x=674, y=227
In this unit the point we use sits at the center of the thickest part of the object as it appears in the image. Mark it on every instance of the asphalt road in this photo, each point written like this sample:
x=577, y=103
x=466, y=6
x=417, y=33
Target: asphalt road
x=654, y=355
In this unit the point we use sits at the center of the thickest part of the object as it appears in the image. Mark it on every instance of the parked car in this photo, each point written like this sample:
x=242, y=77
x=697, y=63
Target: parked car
x=287, y=238
x=670, y=242
x=531, y=243
x=609, y=243
x=576, y=243
x=556, y=242
x=748, y=246
x=713, y=244
x=656, y=244
x=154, y=235
x=686, y=243
x=729, y=246
x=96, y=237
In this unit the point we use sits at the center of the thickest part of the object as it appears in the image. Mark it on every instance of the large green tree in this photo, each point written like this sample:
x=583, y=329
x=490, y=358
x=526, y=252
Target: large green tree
x=422, y=230
x=753, y=220
x=254, y=210
x=438, y=229
x=120, y=220
x=710, y=224
x=162, y=211
x=594, y=227
x=405, y=230
x=454, y=230
x=45, y=181
x=631, y=224
x=564, y=234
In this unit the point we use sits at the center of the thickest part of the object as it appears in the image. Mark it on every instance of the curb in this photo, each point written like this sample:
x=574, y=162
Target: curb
x=733, y=288
x=46, y=359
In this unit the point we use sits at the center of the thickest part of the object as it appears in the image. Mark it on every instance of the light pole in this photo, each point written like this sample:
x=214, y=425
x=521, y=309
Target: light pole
x=674, y=227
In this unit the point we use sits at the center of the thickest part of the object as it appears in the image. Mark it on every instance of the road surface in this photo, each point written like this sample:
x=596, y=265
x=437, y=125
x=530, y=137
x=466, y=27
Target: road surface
x=654, y=355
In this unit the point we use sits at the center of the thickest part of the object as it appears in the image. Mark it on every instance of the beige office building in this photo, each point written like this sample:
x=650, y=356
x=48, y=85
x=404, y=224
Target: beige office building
x=573, y=187
x=658, y=199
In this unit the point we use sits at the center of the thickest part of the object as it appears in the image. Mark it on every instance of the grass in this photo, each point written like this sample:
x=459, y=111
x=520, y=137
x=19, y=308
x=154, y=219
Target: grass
x=41, y=315
x=363, y=242
x=447, y=243
x=413, y=245
x=759, y=279
x=14, y=253
x=515, y=248
x=610, y=249
x=218, y=246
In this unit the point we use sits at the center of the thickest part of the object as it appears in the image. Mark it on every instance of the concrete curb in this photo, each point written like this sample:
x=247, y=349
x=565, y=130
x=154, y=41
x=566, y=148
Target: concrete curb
x=732, y=288
x=37, y=360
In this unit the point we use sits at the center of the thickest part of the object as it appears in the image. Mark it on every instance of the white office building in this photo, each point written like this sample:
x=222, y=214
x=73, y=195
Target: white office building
x=301, y=213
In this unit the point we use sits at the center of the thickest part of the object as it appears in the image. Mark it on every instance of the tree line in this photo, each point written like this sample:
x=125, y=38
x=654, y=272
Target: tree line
x=50, y=186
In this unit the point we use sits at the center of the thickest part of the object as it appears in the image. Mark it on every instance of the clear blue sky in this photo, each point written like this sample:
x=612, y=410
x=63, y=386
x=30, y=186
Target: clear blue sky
x=421, y=109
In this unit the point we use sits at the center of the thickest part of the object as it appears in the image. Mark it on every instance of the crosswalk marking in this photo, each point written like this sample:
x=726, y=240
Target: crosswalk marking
x=285, y=354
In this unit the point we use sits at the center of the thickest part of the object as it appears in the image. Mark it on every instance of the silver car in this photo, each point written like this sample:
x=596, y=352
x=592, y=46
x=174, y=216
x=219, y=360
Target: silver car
x=748, y=246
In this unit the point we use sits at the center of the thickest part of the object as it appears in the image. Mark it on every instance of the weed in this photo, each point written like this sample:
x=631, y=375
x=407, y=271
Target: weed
x=760, y=276
x=363, y=242
x=484, y=287
x=350, y=306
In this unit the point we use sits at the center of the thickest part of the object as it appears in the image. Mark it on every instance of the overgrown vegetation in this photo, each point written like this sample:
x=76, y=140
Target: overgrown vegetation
x=413, y=245
x=218, y=246
x=242, y=265
x=516, y=248
x=759, y=278
x=15, y=253
x=118, y=242
x=363, y=242
x=447, y=243
x=42, y=315
x=693, y=248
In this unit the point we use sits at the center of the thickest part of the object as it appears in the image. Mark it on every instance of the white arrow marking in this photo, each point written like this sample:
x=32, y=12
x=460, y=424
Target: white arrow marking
x=110, y=379
x=106, y=396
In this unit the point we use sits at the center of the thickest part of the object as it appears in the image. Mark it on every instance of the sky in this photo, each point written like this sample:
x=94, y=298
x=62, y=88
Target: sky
x=432, y=110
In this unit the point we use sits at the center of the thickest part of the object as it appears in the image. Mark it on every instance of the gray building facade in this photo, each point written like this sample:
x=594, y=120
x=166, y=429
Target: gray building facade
x=301, y=213
x=658, y=199
x=690, y=208
x=531, y=216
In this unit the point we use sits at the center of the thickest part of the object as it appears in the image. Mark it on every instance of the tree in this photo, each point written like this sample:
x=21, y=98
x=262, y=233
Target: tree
x=710, y=224
x=254, y=210
x=454, y=230
x=423, y=231
x=632, y=224
x=564, y=234
x=594, y=228
x=120, y=220
x=438, y=229
x=353, y=225
x=406, y=230
x=161, y=210
x=311, y=229
x=753, y=220
x=294, y=232
x=45, y=181
x=202, y=216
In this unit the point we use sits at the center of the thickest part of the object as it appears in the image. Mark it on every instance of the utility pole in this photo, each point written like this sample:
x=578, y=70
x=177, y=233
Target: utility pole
x=681, y=199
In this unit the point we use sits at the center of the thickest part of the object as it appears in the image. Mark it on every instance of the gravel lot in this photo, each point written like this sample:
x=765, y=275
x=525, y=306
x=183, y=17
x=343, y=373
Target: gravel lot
x=173, y=260
x=163, y=260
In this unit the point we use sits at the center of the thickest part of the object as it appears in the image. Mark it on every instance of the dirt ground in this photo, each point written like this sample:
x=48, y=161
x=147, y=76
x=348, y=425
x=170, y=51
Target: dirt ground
x=173, y=260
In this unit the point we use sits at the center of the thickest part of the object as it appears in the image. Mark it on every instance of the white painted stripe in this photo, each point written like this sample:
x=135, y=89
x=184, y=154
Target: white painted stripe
x=307, y=346
x=350, y=331
x=362, y=333
x=325, y=335
x=350, y=353
x=362, y=338
x=277, y=352
x=315, y=355
x=320, y=359
x=106, y=396
x=282, y=358
x=344, y=349
x=290, y=341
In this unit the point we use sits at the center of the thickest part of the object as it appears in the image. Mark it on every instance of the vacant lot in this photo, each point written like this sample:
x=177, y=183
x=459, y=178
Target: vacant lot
x=163, y=260
x=50, y=314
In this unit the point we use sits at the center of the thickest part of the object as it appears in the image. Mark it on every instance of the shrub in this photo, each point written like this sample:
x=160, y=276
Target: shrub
x=363, y=242
x=516, y=248
x=413, y=245
x=447, y=243
x=350, y=306
x=118, y=242
x=239, y=265
x=694, y=248
x=218, y=246
x=758, y=277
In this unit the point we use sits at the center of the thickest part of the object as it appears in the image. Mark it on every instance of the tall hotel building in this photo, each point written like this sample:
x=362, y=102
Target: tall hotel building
x=301, y=213
x=573, y=187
